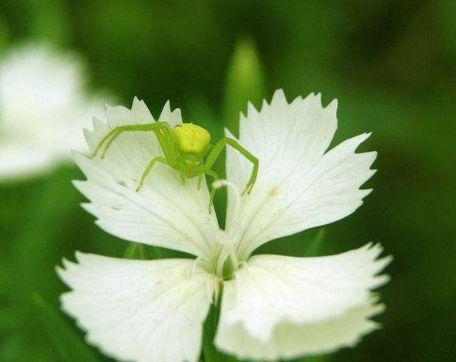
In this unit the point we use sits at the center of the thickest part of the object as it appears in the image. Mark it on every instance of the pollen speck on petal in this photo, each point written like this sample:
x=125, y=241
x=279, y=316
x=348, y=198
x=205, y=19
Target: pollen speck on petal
x=273, y=191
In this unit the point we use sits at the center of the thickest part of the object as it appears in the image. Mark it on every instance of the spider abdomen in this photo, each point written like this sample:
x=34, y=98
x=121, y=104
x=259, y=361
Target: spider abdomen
x=191, y=138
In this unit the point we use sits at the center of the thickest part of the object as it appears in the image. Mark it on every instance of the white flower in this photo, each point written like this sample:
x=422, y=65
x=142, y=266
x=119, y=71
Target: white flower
x=42, y=110
x=273, y=306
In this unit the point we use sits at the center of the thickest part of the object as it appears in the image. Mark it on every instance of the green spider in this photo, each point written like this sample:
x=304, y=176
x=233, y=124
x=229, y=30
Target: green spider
x=186, y=148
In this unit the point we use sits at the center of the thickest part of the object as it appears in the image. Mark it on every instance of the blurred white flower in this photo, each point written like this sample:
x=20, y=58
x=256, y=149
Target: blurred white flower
x=273, y=307
x=43, y=107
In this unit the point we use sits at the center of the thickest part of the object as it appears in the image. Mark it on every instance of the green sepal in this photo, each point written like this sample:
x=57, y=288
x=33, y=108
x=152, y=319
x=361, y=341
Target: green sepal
x=136, y=251
x=141, y=252
x=314, y=248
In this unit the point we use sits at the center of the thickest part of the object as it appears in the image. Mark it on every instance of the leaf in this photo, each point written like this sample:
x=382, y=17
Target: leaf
x=44, y=238
x=142, y=252
x=244, y=83
x=67, y=343
x=314, y=248
x=8, y=320
x=10, y=347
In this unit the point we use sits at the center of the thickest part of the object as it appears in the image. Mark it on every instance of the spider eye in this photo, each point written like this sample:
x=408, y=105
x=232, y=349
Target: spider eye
x=191, y=138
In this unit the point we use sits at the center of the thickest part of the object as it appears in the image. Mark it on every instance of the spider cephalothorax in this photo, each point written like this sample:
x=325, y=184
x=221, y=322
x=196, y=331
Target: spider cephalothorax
x=186, y=148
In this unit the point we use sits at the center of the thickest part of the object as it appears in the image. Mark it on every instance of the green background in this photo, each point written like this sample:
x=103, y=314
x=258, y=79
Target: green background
x=390, y=63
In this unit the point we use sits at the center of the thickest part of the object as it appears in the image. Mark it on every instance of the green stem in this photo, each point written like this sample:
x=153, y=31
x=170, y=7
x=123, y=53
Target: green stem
x=210, y=353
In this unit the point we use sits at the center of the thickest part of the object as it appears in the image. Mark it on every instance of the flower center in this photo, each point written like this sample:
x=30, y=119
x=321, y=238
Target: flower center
x=224, y=261
x=229, y=266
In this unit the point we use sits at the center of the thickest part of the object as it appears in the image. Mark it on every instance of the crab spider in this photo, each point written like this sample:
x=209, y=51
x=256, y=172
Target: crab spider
x=186, y=148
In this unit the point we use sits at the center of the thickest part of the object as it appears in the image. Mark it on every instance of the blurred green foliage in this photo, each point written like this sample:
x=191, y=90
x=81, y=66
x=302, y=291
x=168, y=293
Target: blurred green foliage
x=391, y=64
x=244, y=83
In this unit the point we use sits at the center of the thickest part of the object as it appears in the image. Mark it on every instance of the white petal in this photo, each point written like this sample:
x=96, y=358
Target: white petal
x=290, y=340
x=139, y=310
x=173, y=118
x=38, y=83
x=272, y=294
x=165, y=212
x=19, y=159
x=298, y=186
x=43, y=107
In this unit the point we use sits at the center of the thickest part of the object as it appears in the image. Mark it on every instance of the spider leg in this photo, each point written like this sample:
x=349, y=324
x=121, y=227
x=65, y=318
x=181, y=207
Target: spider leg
x=182, y=179
x=109, y=141
x=217, y=150
x=161, y=129
x=213, y=189
x=115, y=132
x=104, y=140
x=149, y=168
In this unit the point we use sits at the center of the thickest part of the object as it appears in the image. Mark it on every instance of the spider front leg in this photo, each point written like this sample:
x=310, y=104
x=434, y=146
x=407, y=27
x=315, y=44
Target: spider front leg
x=149, y=168
x=116, y=132
x=217, y=150
x=161, y=129
x=213, y=189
